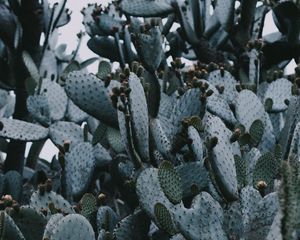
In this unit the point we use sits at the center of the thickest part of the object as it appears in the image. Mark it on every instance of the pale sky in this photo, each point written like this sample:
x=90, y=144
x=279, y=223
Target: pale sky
x=68, y=35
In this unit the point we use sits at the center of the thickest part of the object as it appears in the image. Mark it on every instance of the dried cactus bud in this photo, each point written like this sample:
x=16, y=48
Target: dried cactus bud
x=122, y=77
x=238, y=88
x=287, y=102
x=178, y=143
x=203, y=98
x=66, y=145
x=114, y=100
x=107, y=81
x=258, y=44
x=134, y=66
x=181, y=91
x=123, y=97
x=48, y=185
x=189, y=141
x=52, y=208
x=235, y=136
x=222, y=71
x=213, y=142
x=102, y=199
x=261, y=186
x=209, y=92
x=127, y=71
x=160, y=74
x=220, y=89
x=268, y=104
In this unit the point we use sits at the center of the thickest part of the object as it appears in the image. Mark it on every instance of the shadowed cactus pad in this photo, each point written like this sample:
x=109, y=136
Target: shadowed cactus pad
x=13, y=184
x=164, y=218
x=9, y=230
x=170, y=182
x=27, y=217
x=134, y=226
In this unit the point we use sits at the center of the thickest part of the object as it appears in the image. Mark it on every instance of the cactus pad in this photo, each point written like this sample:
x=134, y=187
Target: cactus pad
x=146, y=8
x=23, y=131
x=73, y=225
x=170, y=182
x=79, y=167
x=88, y=93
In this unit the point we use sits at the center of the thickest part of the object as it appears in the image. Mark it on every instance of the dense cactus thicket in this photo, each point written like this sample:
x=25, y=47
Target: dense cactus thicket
x=151, y=148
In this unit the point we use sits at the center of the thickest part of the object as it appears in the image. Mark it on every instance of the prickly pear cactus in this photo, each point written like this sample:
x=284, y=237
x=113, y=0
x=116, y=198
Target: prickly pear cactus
x=188, y=129
x=73, y=225
x=221, y=158
x=89, y=93
x=79, y=167
x=22, y=131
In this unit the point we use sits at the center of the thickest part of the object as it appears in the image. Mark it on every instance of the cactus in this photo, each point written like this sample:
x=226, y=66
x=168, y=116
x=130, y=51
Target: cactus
x=79, y=86
x=13, y=184
x=79, y=167
x=221, y=158
x=155, y=147
x=73, y=224
x=9, y=230
x=22, y=131
x=43, y=200
x=25, y=218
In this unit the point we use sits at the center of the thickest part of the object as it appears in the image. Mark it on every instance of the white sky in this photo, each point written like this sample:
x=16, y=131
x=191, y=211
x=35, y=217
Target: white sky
x=68, y=35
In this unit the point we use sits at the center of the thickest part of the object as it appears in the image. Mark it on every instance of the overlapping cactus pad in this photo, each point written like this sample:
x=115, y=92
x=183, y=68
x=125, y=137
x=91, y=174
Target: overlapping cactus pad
x=187, y=130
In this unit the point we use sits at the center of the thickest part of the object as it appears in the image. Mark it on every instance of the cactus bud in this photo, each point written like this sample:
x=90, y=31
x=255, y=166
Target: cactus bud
x=48, y=185
x=213, y=142
x=235, y=136
x=102, y=199
x=209, y=92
